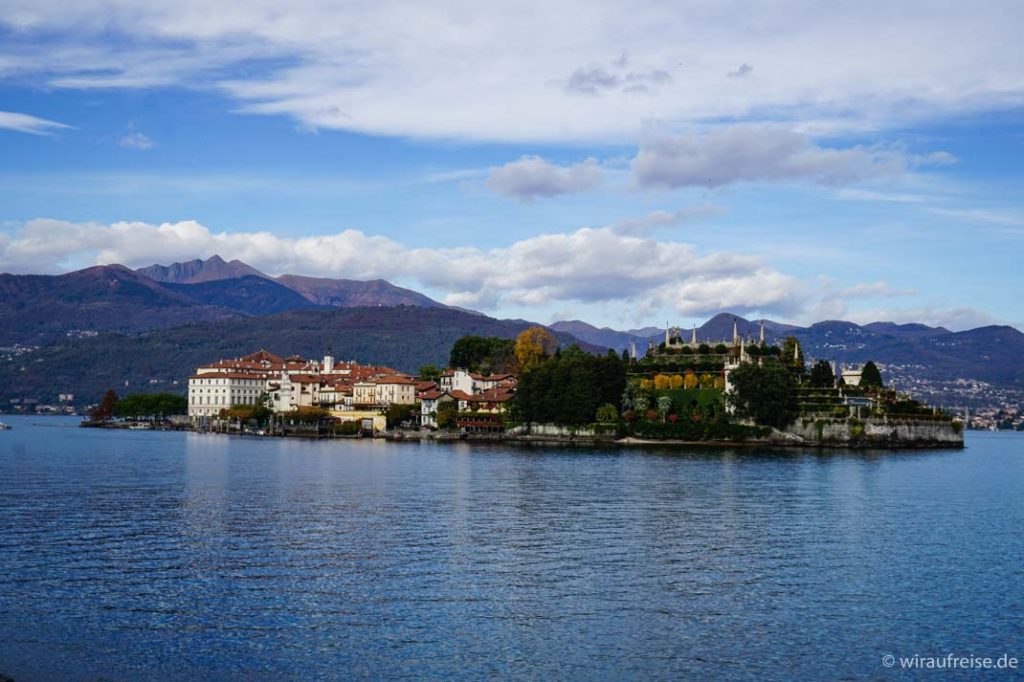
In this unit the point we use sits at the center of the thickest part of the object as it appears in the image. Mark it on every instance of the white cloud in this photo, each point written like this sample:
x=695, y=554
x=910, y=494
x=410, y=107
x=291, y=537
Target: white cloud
x=762, y=153
x=136, y=140
x=528, y=71
x=590, y=265
x=661, y=218
x=851, y=194
x=879, y=289
x=531, y=176
x=981, y=215
x=25, y=123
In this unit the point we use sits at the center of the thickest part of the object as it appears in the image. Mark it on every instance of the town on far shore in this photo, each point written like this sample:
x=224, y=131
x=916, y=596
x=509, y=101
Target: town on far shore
x=680, y=389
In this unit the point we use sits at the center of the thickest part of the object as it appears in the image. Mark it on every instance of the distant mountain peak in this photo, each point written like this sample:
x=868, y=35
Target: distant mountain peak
x=197, y=270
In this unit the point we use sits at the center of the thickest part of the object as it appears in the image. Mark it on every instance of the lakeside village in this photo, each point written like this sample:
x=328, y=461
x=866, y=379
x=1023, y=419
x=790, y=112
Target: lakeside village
x=529, y=389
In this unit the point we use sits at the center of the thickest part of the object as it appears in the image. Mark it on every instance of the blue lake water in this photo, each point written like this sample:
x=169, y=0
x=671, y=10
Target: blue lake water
x=130, y=555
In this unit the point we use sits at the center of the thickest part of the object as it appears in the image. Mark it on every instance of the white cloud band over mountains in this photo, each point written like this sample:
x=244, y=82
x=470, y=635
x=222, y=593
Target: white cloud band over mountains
x=606, y=267
x=589, y=265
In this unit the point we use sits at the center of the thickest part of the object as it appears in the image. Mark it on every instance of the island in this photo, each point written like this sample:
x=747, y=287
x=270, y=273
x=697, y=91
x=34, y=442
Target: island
x=681, y=390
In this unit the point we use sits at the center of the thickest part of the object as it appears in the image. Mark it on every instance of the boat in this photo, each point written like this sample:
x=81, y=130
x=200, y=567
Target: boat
x=5, y=427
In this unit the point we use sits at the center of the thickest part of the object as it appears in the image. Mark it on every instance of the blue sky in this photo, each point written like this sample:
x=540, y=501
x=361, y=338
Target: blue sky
x=625, y=165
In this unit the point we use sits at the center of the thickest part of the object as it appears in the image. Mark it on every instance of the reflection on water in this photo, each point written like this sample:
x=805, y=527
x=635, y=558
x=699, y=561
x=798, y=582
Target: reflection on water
x=142, y=555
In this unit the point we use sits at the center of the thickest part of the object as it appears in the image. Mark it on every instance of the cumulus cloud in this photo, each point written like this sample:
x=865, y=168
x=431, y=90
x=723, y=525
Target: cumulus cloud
x=762, y=153
x=25, y=123
x=531, y=176
x=590, y=265
x=528, y=71
x=136, y=140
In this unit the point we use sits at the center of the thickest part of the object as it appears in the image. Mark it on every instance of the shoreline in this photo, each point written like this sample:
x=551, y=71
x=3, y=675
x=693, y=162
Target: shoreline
x=776, y=440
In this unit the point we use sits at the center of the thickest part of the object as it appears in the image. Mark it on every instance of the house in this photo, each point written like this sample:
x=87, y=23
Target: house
x=364, y=394
x=462, y=398
x=429, y=402
x=456, y=380
x=488, y=382
x=395, y=390
x=209, y=393
x=285, y=384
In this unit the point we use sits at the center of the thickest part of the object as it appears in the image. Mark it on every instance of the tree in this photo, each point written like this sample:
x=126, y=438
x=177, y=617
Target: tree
x=870, y=377
x=822, y=375
x=690, y=381
x=764, y=394
x=533, y=346
x=307, y=415
x=447, y=412
x=793, y=356
x=429, y=373
x=483, y=353
x=247, y=413
x=397, y=414
x=107, y=407
x=569, y=387
x=607, y=414
x=664, y=405
x=139, y=405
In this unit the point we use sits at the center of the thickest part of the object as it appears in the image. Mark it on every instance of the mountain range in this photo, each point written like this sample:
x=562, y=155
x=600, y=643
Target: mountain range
x=42, y=309
x=105, y=325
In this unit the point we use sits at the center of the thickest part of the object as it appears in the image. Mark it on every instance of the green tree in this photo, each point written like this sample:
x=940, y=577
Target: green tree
x=447, y=412
x=822, y=375
x=429, y=373
x=870, y=377
x=764, y=394
x=247, y=413
x=664, y=405
x=569, y=387
x=307, y=415
x=483, y=353
x=397, y=414
x=793, y=356
x=107, y=407
x=141, y=405
x=607, y=414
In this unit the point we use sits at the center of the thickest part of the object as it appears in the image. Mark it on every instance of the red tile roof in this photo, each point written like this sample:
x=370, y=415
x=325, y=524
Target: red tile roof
x=432, y=395
x=397, y=379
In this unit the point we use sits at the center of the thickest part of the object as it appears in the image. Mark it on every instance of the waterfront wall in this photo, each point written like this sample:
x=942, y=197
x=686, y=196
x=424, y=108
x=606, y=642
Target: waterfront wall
x=876, y=431
x=555, y=432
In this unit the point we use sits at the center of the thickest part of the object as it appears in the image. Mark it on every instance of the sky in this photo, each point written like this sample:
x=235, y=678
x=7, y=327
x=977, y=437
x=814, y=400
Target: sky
x=627, y=164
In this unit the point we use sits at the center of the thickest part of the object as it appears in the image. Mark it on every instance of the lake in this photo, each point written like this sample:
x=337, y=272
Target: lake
x=134, y=555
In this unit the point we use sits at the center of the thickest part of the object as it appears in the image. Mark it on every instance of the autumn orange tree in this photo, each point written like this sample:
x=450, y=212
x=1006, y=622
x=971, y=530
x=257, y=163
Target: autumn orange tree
x=533, y=345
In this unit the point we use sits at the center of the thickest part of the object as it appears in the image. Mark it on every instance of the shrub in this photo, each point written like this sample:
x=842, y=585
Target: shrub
x=607, y=414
